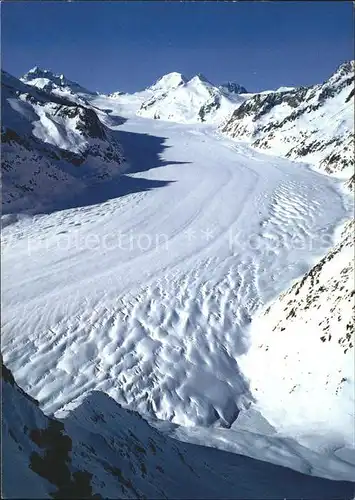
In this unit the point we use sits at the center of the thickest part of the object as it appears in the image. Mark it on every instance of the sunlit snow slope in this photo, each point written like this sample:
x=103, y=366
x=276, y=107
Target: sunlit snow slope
x=303, y=346
x=177, y=99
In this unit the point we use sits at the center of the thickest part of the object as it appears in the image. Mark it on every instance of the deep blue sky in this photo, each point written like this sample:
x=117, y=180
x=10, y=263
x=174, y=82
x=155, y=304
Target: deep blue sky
x=109, y=46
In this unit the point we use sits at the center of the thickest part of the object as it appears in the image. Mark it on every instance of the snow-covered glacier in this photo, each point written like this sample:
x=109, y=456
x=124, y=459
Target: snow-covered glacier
x=146, y=266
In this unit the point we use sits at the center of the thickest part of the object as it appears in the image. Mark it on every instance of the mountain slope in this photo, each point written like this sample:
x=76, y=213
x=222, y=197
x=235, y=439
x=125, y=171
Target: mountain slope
x=129, y=104
x=170, y=81
x=312, y=124
x=103, y=451
x=195, y=100
x=307, y=336
x=52, y=147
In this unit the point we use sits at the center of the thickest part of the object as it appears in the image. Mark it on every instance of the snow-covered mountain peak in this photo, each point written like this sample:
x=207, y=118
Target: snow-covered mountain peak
x=343, y=75
x=284, y=89
x=50, y=82
x=177, y=99
x=345, y=68
x=169, y=330
x=37, y=72
x=116, y=94
x=168, y=82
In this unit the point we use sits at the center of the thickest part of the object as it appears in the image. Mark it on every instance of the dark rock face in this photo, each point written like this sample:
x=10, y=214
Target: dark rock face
x=212, y=105
x=233, y=88
x=351, y=95
x=88, y=121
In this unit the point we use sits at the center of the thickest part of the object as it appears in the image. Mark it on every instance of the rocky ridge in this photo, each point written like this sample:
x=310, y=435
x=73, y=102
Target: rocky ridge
x=310, y=124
